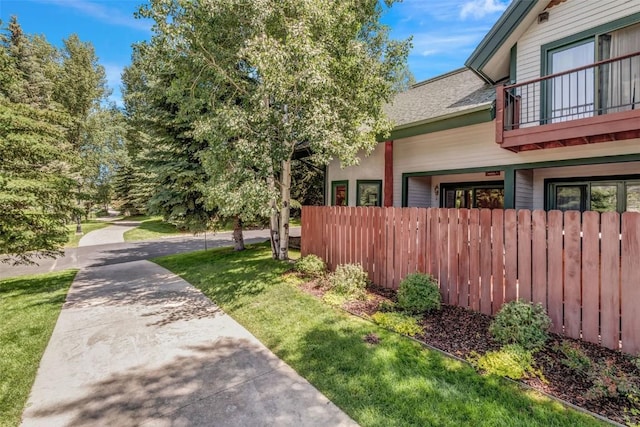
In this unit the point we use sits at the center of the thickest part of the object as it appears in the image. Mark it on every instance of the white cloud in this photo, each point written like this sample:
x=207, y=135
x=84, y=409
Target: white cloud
x=102, y=12
x=428, y=44
x=478, y=9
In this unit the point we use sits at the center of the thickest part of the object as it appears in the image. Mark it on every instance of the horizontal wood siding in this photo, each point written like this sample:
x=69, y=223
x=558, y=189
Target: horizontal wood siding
x=419, y=192
x=582, y=268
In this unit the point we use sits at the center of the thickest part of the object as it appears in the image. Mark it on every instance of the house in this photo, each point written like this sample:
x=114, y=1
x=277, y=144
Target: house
x=545, y=115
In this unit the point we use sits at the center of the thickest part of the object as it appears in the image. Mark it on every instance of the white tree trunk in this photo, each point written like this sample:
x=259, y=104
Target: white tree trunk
x=273, y=218
x=285, y=197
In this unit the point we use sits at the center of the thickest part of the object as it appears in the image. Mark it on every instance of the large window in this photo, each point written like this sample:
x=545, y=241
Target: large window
x=339, y=193
x=608, y=88
x=369, y=193
x=601, y=195
x=473, y=195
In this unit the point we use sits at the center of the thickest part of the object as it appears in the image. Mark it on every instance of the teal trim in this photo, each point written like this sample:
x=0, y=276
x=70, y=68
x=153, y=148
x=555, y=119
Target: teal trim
x=513, y=64
x=509, y=188
x=377, y=182
x=498, y=35
x=624, y=158
x=334, y=184
x=474, y=118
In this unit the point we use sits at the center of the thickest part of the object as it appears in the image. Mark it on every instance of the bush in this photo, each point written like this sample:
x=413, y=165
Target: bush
x=418, y=293
x=398, y=322
x=311, y=266
x=349, y=280
x=522, y=323
x=511, y=361
x=574, y=357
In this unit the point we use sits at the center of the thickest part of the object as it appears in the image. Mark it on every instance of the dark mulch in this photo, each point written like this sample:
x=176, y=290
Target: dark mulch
x=459, y=332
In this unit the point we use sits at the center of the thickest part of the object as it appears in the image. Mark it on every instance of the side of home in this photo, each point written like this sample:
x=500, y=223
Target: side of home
x=546, y=115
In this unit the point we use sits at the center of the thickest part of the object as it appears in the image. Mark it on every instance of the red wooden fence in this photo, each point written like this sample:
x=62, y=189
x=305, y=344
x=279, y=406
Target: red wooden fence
x=583, y=268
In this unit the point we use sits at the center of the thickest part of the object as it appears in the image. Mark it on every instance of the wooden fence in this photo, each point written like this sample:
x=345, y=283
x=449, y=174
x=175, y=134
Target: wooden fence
x=583, y=268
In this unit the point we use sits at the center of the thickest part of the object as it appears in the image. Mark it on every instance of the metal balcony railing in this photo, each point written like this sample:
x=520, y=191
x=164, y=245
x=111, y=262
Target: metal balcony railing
x=605, y=87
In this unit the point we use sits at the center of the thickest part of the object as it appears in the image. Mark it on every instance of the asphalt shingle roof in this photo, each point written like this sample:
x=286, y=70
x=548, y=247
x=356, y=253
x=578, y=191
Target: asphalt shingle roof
x=450, y=93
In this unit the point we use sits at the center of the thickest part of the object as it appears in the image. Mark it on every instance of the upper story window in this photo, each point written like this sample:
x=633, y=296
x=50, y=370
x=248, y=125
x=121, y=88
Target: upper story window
x=607, y=88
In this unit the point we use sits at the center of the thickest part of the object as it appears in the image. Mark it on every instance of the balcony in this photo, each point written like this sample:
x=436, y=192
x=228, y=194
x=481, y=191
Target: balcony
x=599, y=102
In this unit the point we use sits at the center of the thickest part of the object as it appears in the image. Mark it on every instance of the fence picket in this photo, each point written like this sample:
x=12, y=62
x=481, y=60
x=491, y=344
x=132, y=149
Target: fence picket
x=524, y=255
x=497, y=260
x=485, y=261
x=554, y=271
x=463, y=258
x=510, y=255
x=443, y=233
x=572, y=289
x=453, y=256
x=539, y=258
x=590, y=276
x=433, y=239
x=474, y=259
x=629, y=289
x=412, y=266
x=610, y=273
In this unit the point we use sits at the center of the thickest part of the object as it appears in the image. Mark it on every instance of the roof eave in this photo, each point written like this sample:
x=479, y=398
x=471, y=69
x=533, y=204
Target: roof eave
x=499, y=33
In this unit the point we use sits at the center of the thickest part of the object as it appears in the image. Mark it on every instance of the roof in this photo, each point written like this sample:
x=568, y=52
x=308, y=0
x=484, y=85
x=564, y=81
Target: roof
x=450, y=94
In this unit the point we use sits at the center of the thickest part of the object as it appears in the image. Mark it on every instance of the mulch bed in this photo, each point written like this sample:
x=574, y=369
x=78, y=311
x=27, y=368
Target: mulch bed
x=460, y=332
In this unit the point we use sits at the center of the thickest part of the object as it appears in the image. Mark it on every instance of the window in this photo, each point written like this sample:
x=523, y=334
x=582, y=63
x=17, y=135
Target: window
x=604, y=89
x=601, y=195
x=339, y=193
x=473, y=195
x=369, y=193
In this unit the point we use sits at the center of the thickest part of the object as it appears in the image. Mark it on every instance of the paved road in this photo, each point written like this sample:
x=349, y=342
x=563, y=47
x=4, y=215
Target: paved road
x=110, y=234
x=98, y=255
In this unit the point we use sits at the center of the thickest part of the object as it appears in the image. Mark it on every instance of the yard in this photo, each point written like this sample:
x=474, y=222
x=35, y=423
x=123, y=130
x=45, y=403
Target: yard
x=394, y=381
x=29, y=308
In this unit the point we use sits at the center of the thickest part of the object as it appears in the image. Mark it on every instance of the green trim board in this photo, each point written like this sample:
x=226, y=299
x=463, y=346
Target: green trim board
x=334, y=184
x=498, y=35
x=377, y=182
x=509, y=170
x=473, y=118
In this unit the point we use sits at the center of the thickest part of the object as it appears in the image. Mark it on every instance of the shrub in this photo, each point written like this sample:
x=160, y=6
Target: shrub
x=574, y=357
x=311, y=266
x=611, y=382
x=511, y=361
x=349, y=280
x=386, y=305
x=398, y=322
x=418, y=293
x=522, y=323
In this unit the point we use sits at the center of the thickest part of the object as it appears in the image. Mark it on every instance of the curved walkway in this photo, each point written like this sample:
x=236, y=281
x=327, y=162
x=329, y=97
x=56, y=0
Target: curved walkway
x=137, y=345
x=110, y=234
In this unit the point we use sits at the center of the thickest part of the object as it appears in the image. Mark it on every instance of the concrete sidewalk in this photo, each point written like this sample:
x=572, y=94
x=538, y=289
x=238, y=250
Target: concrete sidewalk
x=137, y=345
x=110, y=234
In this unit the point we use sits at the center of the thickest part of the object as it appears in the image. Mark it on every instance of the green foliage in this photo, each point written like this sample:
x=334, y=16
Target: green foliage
x=522, y=323
x=574, y=357
x=511, y=361
x=398, y=322
x=311, y=266
x=349, y=280
x=418, y=293
x=386, y=306
x=611, y=382
x=29, y=307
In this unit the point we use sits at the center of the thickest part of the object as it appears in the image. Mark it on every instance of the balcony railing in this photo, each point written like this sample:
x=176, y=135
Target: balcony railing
x=605, y=87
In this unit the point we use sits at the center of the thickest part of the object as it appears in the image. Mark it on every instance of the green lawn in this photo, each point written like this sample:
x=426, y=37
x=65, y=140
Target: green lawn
x=393, y=383
x=150, y=228
x=87, y=226
x=29, y=308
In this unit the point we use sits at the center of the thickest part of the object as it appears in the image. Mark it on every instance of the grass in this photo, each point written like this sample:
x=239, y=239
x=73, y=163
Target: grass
x=150, y=228
x=396, y=382
x=87, y=226
x=29, y=308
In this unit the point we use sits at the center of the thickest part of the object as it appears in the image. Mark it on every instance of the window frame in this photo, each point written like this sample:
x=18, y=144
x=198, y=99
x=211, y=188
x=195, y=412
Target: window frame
x=335, y=184
x=472, y=185
x=377, y=182
x=620, y=181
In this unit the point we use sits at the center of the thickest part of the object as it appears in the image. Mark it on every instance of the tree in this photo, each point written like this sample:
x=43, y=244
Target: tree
x=274, y=74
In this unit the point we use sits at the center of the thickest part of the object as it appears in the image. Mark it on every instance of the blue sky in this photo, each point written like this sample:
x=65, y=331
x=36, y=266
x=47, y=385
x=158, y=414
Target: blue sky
x=445, y=32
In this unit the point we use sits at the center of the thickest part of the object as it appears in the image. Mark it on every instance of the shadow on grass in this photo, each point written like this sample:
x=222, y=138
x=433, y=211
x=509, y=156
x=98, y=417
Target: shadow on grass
x=396, y=382
x=32, y=285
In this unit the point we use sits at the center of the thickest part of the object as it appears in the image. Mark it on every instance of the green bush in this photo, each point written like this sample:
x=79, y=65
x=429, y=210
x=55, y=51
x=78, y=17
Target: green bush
x=522, y=323
x=386, y=305
x=398, y=322
x=418, y=293
x=574, y=357
x=311, y=266
x=511, y=361
x=349, y=280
